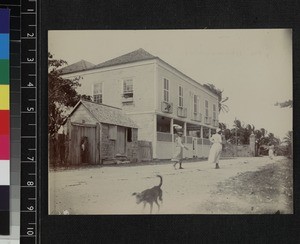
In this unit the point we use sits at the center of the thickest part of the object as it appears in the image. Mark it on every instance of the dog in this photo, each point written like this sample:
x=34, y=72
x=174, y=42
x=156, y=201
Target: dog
x=150, y=195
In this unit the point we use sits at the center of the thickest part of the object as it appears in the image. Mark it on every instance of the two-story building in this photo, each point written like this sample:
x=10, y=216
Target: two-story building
x=155, y=95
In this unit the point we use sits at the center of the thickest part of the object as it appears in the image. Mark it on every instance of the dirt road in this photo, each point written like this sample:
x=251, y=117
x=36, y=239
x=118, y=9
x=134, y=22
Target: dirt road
x=236, y=188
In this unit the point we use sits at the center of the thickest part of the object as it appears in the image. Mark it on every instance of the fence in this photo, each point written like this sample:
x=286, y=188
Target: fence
x=231, y=150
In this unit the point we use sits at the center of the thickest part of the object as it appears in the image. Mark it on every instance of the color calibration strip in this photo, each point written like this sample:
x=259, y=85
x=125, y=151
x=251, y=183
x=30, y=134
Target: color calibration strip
x=4, y=123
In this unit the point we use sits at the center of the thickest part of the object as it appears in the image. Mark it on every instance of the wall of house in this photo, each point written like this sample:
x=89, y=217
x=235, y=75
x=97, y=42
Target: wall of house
x=132, y=147
x=107, y=146
x=81, y=114
x=112, y=89
x=145, y=122
x=189, y=89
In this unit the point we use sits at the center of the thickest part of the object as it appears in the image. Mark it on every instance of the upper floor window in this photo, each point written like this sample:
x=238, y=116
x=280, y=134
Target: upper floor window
x=180, y=101
x=206, y=108
x=214, y=112
x=128, y=88
x=166, y=90
x=195, y=104
x=97, y=92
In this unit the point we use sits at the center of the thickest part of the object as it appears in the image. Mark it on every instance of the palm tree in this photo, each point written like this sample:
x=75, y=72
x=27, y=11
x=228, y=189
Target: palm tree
x=222, y=106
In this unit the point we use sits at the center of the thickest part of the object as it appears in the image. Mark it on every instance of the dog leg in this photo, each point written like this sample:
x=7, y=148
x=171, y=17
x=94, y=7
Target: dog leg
x=158, y=206
x=151, y=206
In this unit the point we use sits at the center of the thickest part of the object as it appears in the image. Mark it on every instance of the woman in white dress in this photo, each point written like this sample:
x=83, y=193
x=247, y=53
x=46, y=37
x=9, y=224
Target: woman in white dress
x=178, y=152
x=216, y=148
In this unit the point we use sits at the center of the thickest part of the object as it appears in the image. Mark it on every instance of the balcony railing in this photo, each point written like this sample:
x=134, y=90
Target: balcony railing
x=206, y=141
x=127, y=99
x=215, y=122
x=197, y=117
x=162, y=136
x=167, y=107
x=181, y=112
x=207, y=120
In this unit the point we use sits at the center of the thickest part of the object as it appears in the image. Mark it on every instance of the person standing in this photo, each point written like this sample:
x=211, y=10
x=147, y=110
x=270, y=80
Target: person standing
x=84, y=150
x=178, y=153
x=271, y=151
x=216, y=148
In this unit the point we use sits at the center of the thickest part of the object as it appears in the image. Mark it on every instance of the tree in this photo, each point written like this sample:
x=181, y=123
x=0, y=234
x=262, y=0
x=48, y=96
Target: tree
x=222, y=106
x=288, y=139
x=289, y=136
x=62, y=94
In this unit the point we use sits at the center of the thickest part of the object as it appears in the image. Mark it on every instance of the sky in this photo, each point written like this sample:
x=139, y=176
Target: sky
x=253, y=67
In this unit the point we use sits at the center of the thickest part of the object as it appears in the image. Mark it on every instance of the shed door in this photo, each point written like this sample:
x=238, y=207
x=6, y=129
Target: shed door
x=78, y=132
x=121, y=140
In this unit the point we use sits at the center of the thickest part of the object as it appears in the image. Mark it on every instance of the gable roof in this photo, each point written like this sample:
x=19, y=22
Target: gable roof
x=106, y=114
x=137, y=55
x=78, y=66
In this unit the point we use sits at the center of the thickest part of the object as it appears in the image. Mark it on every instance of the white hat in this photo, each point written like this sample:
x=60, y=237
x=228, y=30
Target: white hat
x=177, y=127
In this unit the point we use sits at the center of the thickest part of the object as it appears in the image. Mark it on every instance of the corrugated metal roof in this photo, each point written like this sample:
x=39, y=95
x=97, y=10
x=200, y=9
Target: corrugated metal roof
x=109, y=115
x=137, y=55
x=76, y=67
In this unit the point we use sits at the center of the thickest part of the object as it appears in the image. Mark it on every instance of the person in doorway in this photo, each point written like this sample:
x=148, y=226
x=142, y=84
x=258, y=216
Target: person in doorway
x=216, y=148
x=84, y=150
x=178, y=153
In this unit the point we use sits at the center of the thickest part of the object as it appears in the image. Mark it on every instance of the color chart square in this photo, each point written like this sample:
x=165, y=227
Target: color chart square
x=4, y=20
x=4, y=72
x=5, y=122
x=4, y=203
x=4, y=97
x=4, y=172
x=4, y=148
x=4, y=46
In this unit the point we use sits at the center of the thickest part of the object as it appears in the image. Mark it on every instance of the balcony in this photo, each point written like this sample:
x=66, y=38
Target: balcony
x=182, y=112
x=207, y=120
x=167, y=107
x=127, y=97
x=197, y=117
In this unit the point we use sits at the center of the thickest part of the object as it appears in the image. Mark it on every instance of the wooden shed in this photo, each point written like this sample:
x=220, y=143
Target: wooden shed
x=97, y=133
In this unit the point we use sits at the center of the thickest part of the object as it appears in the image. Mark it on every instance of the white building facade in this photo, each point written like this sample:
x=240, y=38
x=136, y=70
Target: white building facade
x=155, y=95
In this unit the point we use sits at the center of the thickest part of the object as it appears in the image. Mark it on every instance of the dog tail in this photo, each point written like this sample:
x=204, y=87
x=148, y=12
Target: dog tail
x=161, y=180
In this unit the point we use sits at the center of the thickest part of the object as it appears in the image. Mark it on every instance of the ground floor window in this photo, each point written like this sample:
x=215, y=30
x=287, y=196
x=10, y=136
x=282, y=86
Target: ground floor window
x=129, y=134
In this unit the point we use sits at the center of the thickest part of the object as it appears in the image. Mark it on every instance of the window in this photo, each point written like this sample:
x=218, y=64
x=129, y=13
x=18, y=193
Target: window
x=112, y=132
x=206, y=108
x=166, y=90
x=180, y=101
x=195, y=104
x=214, y=112
x=129, y=134
x=97, y=93
x=128, y=88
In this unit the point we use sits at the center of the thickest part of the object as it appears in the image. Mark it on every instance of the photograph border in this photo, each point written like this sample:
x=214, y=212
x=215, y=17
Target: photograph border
x=55, y=15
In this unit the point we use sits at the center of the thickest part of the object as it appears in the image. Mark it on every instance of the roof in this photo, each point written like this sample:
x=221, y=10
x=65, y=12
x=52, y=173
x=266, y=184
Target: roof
x=137, y=55
x=78, y=66
x=107, y=114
